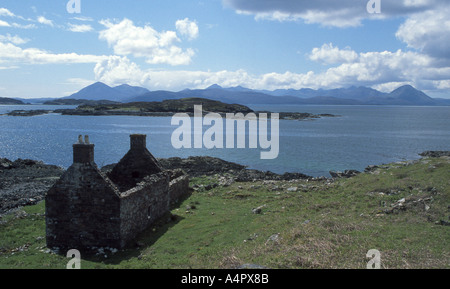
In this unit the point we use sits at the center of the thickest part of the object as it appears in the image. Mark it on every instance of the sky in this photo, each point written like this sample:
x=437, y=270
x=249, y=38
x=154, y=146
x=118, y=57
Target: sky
x=53, y=48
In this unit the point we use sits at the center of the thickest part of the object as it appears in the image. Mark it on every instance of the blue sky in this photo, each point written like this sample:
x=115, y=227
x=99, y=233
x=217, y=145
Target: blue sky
x=45, y=51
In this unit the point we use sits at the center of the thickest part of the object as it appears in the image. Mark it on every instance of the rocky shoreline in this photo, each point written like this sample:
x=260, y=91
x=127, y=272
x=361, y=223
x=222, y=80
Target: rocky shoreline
x=25, y=182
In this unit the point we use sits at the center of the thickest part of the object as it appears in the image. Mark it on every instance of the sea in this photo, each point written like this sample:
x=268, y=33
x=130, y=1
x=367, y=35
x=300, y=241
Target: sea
x=357, y=137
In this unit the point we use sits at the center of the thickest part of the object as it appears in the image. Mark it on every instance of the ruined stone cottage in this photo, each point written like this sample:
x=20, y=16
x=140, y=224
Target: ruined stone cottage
x=88, y=208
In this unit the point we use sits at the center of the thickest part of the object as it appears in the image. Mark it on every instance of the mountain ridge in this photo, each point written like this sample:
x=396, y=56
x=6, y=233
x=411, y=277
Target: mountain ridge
x=403, y=95
x=101, y=91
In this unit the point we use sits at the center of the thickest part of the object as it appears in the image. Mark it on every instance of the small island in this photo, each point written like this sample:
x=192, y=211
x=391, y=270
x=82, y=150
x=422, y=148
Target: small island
x=154, y=108
x=164, y=108
x=23, y=112
x=10, y=101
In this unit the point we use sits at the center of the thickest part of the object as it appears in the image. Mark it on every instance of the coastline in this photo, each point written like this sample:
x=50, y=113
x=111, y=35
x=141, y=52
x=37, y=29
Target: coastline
x=282, y=115
x=278, y=224
x=25, y=182
x=165, y=108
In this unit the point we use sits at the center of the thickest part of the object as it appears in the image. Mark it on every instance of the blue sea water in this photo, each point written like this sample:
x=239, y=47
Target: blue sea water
x=360, y=136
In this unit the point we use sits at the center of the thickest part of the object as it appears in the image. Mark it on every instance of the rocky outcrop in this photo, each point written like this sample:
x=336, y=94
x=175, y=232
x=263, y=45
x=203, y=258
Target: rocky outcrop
x=201, y=165
x=344, y=174
x=25, y=182
x=435, y=154
x=421, y=203
x=249, y=175
x=28, y=112
x=205, y=165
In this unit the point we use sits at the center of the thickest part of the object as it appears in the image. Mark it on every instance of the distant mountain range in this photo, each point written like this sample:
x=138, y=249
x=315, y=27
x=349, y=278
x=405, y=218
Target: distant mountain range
x=404, y=95
x=101, y=91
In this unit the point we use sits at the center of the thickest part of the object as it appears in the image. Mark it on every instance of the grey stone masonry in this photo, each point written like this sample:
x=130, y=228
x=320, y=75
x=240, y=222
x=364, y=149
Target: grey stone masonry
x=135, y=165
x=86, y=208
x=83, y=151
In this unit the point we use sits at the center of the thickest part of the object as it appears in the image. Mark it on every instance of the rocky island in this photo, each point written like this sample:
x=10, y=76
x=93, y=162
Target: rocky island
x=154, y=108
x=10, y=101
x=164, y=108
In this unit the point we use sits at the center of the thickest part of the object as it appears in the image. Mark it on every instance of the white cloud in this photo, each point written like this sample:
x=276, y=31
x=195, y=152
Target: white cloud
x=442, y=84
x=156, y=47
x=342, y=13
x=381, y=70
x=328, y=54
x=187, y=28
x=13, y=39
x=376, y=68
x=415, y=3
x=4, y=24
x=181, y=79
x=12, y=53
x=80, y=27
x=116, y=70
x=338, y=18
x=426, y=29
x=43, y=20
x=24, y=26
x=428, y=32
x=83, y=18
x=390, y=86
x=6, y=12
x=8, y=67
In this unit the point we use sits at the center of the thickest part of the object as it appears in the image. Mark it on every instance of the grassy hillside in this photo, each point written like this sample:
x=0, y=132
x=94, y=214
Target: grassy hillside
x=401, y=210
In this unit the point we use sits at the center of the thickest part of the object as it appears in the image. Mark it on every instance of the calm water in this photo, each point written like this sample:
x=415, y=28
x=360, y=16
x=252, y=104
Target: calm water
x=362, y=136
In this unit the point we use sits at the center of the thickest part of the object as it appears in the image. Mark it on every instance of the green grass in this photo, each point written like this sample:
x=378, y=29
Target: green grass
x=320, y=225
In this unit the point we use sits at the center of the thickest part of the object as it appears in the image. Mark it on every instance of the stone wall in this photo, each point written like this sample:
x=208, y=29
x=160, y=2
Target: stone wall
x=137, y=163
x=143, y=205
x=178, y=186
x=83, y=209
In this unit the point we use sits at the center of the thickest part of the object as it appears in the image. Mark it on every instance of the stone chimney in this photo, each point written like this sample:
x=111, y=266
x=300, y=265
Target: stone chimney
x=83, y=151
x=138, y=142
